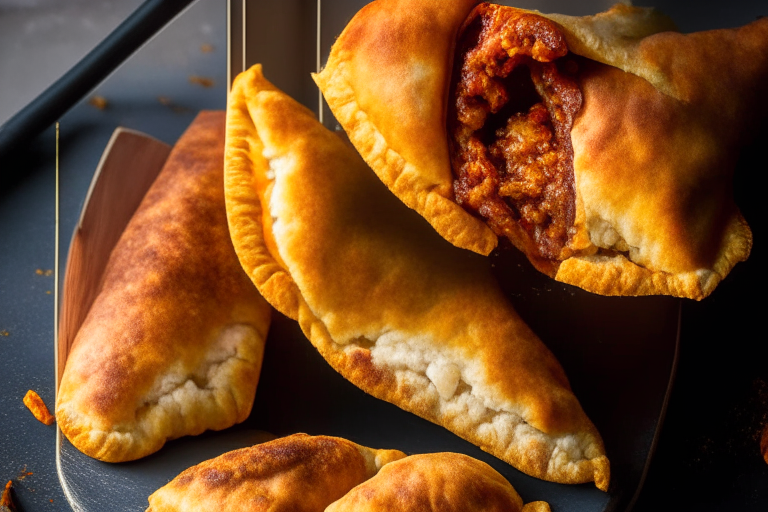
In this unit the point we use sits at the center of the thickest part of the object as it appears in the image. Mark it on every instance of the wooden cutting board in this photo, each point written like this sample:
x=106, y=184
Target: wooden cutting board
x=128, y=167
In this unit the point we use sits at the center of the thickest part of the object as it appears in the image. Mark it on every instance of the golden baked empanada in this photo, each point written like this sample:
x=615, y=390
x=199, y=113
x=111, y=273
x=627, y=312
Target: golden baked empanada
x=173, y=343
x=393, y=307
x=436, y=482
x=299, y=473
x=610, y=171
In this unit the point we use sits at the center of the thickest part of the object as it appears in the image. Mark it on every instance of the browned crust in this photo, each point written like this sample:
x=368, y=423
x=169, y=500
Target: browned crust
x=173, y=284
x=298, y=473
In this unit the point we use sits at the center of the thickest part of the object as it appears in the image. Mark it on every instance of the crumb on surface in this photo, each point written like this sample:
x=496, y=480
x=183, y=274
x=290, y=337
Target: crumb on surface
x=46, y=272
x=36, y=405
x=165, y=100
x=206, y=48
x=100, y=102
x=201, y=80
x=4, y=333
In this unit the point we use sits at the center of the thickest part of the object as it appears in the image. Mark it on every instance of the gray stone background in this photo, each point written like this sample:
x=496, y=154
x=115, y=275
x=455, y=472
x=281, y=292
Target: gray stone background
x=40, y=40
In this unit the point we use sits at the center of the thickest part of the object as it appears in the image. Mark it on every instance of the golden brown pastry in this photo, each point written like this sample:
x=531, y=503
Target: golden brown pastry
x=173, y=343
x=436, y=482
x=299, y=473
x=389, y=304
x=610, y=171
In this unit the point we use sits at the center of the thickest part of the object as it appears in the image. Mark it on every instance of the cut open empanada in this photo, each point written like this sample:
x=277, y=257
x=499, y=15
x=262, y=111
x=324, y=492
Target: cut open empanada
x=603, y=147
x=173, y=343
x=393, y=307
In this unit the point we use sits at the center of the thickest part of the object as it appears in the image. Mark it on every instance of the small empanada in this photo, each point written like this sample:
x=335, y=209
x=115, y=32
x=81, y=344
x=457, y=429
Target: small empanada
x=298, y=473
x=393, y=307
x=610, y=171
x=173, y=343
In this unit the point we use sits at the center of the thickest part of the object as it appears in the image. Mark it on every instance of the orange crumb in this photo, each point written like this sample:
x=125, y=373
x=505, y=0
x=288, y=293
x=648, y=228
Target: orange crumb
x=35, y=404
x=41, y=272
x=48, y=292
x=201, y=80
x=100, y=102
x=24, y=473
x=206, y=48
x=4, y=333
x=764, y=443
x=164, y=100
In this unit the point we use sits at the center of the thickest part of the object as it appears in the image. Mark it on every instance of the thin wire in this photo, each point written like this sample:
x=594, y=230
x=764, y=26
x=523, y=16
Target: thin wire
x=56, y=273
x=317, y=63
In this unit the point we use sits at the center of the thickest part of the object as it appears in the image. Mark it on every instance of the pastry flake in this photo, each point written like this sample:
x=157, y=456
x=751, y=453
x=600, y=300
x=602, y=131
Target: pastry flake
x=173, y=343
x=603, y=146
x=387, y=302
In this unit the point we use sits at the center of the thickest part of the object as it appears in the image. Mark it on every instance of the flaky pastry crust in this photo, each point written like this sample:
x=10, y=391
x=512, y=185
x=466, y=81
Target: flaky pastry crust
x=388, y=303
x=173, y=343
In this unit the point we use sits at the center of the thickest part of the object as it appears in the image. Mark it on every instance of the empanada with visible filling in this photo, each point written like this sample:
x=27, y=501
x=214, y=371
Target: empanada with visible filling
x=173, y=343
x=603, y=147
x=436, y=482
x=393, y=307
x=298, y=473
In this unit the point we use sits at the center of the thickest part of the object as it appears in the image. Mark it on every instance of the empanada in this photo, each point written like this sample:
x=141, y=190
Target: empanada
x=388, y=303
x=174, y=341
x=299, y=473
x=610, y=171
x=436, y=482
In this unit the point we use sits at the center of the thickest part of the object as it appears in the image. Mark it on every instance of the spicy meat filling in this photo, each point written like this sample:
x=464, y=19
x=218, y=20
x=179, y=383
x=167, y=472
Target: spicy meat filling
x=512, y=110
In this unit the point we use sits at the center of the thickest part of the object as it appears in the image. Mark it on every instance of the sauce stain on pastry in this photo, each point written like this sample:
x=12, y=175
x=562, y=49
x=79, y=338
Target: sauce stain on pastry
x=173, y=343
x=391, y=305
